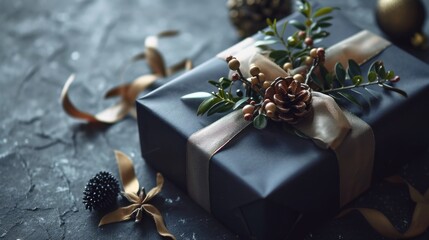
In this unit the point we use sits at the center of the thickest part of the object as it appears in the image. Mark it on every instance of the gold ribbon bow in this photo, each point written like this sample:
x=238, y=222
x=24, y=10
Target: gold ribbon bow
x=128, y=92
x=139, y=201
x=419, y=222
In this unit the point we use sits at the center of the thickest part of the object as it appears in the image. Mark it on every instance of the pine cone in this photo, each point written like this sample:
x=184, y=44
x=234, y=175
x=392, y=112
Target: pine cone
x=287, y=100
x=100, y=191
x=249, y=16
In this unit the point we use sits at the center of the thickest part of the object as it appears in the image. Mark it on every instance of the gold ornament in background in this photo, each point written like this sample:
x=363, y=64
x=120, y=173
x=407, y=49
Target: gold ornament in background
x=401, y=19
x=249, y=16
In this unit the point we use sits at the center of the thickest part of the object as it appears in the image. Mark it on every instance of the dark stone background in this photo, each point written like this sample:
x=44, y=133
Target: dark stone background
x=46, y=157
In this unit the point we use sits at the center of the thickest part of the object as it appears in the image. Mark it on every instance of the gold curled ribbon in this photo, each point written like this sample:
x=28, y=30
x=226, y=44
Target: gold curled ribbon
x=139, y=201
x=419, y=221
x=128, y=92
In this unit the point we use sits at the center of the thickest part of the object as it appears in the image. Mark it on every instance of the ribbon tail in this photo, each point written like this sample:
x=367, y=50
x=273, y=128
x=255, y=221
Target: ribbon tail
x=159, y=221
x=69, y=107
x=126, y=172
x=184, y=64
x=114, y=113
x=138, y=85
x=378, y=221
x=128, y=92
x=119, y=215
x=155, y=60
x=117, y=91
x=420, y=221
x=154, y=191
x=109, y=115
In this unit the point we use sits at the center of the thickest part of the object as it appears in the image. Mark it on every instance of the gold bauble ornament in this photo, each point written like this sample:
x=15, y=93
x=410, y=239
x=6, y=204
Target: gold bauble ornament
x=400, y=19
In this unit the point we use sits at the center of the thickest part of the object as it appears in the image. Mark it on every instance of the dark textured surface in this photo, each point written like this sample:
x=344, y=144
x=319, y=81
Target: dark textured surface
x=46, y=158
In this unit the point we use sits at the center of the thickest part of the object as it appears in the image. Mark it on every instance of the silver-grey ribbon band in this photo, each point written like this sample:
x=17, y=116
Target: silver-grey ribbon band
x=201, y=147
x=350, y=138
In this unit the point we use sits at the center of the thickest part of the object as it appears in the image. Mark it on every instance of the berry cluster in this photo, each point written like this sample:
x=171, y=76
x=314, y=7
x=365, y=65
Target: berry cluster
x=286, y=98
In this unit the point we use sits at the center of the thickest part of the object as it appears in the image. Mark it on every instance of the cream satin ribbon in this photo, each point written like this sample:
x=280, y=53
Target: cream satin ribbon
x=348, y=141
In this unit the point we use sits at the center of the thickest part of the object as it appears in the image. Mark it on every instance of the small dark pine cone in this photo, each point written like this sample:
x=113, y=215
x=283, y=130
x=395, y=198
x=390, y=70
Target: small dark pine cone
x=100, y=191
x=287, y=100
x=249, y=16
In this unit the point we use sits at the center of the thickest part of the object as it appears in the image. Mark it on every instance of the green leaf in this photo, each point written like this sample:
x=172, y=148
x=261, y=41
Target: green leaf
x=219, y=107
x=325, y=19
x=350, y=98
x=317, y=81
x=265, y=42
x=381, y=71
x=214, y=83
x=197, y=95
x=269, y=38
x=307, y=9
x=324, y=25
x=225, y=83
x=284, y=29
x=269, y=33
x=367, y=99
x=390, y=88
x=320, y=35
x=372, y=76
x=269, y=22
x=329, y=80
x=282, y=60
x=340, y=73
x=222, y=93
x=260, y=121
x=323, y=11
x=207, y=104
x=298, y=25
x=301, y=53
x=277, y=54
x=353, y=69
x=372, y=92
x=273, y=26
x=357, y=80
x=390, y=75
x=240, y=103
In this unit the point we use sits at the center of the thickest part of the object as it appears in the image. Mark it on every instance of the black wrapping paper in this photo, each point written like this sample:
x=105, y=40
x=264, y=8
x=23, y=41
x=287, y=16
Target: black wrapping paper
x=268, y=184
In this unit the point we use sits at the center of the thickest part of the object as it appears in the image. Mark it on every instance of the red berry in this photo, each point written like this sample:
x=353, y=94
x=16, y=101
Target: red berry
x=235, y=76
x=308, y=41
x=248, y=116
x=395, y=79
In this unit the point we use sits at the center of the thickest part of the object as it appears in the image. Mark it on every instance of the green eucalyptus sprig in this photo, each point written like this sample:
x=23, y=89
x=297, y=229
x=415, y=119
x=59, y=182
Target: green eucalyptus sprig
x=288, y=98
x=342, y=83
x=225, y=99
x=296, y=48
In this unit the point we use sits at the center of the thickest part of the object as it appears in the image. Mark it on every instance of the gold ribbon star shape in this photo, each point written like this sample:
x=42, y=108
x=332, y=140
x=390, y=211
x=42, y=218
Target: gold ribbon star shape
x=139, y=200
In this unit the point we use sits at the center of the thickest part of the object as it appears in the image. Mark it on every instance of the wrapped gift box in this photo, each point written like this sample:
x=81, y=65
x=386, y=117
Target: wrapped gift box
x=269, y=184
